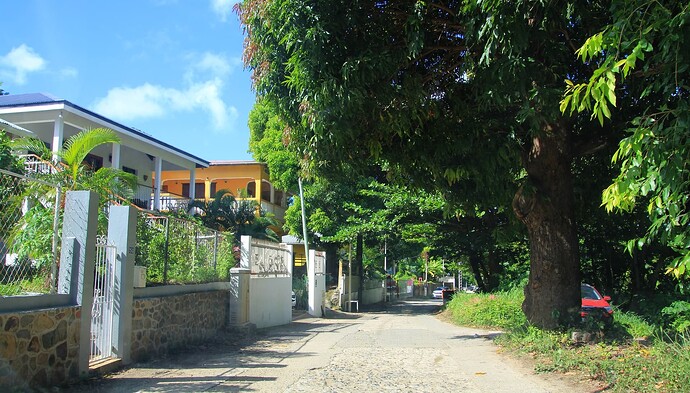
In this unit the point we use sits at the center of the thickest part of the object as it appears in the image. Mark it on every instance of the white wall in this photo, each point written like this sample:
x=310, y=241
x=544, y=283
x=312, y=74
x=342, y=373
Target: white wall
x=270, y=284
x=270, y=301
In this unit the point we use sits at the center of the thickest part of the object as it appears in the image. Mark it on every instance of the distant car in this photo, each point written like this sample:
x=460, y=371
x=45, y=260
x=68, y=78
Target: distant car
x=294, y=299
x=438, y=292
x=595, y=305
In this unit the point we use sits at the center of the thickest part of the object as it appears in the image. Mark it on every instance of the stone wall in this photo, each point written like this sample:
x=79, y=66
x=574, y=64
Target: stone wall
x=39, y=348
x=161, y=324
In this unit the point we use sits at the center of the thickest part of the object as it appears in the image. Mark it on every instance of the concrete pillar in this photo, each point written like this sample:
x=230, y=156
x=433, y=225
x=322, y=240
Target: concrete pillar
x=192, y=184
x=115, y=156
x=239, y=297
x=245, y=252
x=58, y=136
x=158, y=168
x=207, y=189
x=77, y=262
x=122, y=231
x=316, y=282
x=258, y=190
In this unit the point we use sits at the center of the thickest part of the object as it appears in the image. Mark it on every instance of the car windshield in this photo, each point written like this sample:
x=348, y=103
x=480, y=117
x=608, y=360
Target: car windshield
x=588, y=292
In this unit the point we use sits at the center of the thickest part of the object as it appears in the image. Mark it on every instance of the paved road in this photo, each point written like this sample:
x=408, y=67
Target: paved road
x=403, y=348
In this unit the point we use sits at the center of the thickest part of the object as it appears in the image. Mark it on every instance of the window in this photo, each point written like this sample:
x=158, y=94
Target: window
x=129, y=170
x=198, y=190
x=266, y=191
x=251, y=189
x=94, y=162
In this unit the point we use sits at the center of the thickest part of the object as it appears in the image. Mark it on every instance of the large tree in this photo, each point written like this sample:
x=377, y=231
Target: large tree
x=457, y=95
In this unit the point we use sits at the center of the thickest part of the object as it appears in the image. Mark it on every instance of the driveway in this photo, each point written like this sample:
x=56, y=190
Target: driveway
x=400, y=348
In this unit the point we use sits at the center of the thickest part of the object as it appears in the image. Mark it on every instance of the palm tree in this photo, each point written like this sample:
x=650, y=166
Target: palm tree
x=32, y=237
x=72, y=173
x=226, y=213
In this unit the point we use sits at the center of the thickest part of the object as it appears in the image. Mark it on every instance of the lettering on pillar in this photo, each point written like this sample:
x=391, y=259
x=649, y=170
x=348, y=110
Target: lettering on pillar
x=269, y=260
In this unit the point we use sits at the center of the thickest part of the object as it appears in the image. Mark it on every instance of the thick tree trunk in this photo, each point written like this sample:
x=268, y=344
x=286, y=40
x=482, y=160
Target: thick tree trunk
x=475, y=264
x=545, y=206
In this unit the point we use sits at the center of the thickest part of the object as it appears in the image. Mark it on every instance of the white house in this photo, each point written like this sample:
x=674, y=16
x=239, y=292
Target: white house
x=54, y=120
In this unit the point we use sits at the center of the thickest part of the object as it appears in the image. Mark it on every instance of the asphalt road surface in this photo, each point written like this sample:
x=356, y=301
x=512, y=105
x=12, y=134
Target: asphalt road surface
x=403, y=347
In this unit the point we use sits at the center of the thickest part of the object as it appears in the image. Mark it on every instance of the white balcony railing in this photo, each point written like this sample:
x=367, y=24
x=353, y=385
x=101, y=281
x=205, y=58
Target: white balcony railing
x=34, y=164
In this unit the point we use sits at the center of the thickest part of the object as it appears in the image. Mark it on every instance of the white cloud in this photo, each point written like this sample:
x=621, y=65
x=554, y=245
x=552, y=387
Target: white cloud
x=69, y=72
x=210, y=65
x=222, y=8
x=151, y=101
x=19, y=62
x=214, y=63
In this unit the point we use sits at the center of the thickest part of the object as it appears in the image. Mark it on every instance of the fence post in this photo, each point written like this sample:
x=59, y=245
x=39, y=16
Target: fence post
x=77, y=262
x=122, y=233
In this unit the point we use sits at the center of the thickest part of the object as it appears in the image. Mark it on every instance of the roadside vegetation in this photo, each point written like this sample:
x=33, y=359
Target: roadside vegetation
x=641, y=352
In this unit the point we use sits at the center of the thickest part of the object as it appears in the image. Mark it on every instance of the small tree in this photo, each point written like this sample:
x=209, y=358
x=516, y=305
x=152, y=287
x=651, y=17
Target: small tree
x=31, y=236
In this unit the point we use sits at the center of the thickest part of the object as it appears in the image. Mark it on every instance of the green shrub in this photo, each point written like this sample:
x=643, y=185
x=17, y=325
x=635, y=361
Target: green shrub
x=500, y=310
x=633, y=324
x=677, y=316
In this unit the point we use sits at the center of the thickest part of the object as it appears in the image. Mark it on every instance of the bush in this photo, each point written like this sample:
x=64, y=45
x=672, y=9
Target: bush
x=501, y=310
x=677, y=316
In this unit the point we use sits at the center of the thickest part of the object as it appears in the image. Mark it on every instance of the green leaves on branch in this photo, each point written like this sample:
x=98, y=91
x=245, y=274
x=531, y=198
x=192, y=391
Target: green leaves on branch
x=641, y=58
x=599, y=92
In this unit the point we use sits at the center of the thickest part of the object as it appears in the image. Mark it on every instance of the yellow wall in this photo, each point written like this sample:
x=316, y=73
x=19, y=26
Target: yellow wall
x=232, y=177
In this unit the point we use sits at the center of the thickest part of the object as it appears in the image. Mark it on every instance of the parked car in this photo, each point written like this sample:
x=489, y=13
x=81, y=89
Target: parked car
x=294, y=299
x=595, y=305
x=438, y=292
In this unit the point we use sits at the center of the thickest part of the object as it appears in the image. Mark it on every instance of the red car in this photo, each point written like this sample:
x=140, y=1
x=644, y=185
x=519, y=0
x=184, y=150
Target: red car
x=595, y=305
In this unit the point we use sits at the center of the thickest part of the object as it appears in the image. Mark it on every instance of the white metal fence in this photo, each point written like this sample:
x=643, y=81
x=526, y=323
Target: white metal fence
x=103, y=301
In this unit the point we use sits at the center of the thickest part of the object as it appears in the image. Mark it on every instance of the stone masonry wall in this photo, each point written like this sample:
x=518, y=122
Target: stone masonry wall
x=161, y=324
x=39, y=348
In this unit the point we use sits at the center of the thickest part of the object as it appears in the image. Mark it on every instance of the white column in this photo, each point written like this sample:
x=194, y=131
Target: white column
x=115, y=156
x=273, y=195
x=192, y=184
x=58, y=136
x=158, y=168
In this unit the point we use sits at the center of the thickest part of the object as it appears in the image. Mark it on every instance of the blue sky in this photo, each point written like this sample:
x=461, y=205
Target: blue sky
x=170, y=68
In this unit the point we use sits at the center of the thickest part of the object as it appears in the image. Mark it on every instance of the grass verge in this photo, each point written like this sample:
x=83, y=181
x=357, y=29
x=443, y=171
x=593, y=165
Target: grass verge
x=633, y=356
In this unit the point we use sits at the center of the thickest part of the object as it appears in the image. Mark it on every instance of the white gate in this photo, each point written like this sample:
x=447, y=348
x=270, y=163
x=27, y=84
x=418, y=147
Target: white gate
x=103, y=301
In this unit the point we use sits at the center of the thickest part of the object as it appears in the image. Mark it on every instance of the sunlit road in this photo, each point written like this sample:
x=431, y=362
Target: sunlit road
x=402, y=348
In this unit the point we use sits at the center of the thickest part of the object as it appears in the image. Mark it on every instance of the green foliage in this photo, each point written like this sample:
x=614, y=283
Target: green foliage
x=641, y=58
x=227, y=214
x=633, y=324
x=35, y=283
x=499, y=310
x=9, y=161
x=619, y=362
x=267, y=144
x=177, y=251
x=677, y=316
x=31, y=236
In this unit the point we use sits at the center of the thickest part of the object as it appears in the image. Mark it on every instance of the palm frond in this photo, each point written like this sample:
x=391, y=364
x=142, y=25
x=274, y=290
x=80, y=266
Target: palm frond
x=78, y=146
x=32, y=144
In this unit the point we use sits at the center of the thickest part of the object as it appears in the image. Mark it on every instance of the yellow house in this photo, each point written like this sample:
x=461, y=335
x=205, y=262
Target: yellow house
x=244, y=179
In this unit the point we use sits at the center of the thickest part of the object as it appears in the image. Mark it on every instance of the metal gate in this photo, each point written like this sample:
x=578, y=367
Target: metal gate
x=103, y=301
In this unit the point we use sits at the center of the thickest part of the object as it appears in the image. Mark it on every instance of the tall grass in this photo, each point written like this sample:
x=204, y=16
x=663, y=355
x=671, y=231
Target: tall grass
x=501, y=310
x=634, y=356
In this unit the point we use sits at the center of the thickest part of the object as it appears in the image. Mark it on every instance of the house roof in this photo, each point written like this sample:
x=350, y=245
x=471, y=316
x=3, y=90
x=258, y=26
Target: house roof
x=36, y=99
x=235, y=162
